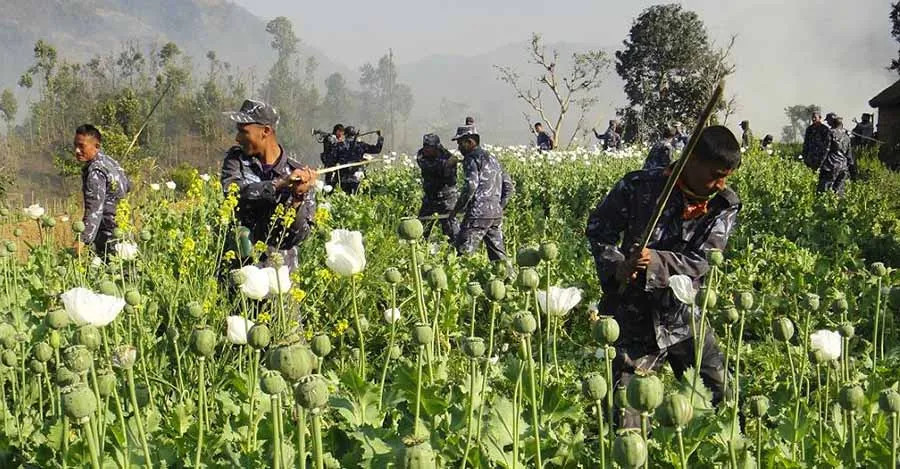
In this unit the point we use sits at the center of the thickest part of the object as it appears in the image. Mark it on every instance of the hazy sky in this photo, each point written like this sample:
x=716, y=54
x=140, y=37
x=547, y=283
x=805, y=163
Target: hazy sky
x=830, y=52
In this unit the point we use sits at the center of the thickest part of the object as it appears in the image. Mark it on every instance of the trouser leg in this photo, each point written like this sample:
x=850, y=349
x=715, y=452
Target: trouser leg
x=493, y=241
x=712, y=364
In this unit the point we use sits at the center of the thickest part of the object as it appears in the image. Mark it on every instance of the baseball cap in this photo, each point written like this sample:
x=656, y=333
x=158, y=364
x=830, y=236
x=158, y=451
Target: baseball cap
x=431, y=140
x=465, y=131
x=255, y=112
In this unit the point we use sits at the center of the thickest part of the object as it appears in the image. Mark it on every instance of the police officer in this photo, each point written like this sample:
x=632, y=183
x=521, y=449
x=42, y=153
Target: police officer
x=544, y=140
x=611, y=140
x=747, y=135
x=864, y=132
x=330, y=147
x=470, y=120
x=660, y=155
x=438, y=167
x=486, y=191
x=767, y=142
x=699, y=217
x=268, y=177
x=835, y=167
x=681, y=137
x=103, y=185
x=353, y=151
x=815, y=142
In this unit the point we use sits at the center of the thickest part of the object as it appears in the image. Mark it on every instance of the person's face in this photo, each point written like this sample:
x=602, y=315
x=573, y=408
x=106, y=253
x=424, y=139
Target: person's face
x=430, y=151
x=538, y=128
x=339, y=134
x=86, y=147
x=705, y=178
x=817, y=118
x=466, y=145
x=253, y=138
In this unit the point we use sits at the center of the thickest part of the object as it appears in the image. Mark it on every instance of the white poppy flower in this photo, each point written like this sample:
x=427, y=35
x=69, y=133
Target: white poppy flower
x=358, y=175
x=171, y=185
x=34, y=211
x=562, y=300
x=154, y=186
x=256, y=282
x=280, y=281
x=204, y=177
x=391, y=315
x=683, y=288
x=345, y=252
x=237, y=329
x=827, y=341
x=126, y=251
x=87, y=307
x=327, y=188
x=320, y=184
x=96, y=262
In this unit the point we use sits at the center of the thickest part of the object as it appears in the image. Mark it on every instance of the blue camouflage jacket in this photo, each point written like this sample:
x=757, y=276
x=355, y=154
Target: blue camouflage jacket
x=487, y=188
x=103, y=184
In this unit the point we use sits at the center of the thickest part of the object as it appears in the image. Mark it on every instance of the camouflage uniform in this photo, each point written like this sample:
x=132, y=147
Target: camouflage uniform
x=258, y=200
x=680, y=140
x=837, y=163
x=439, y=185
x=103, y=184
x=660, y=155
x=484, y=196
x=747, y=139
x=655, y=325
x=815, y=145
x=544, y=141
x=352, y=151
x=330, y=146
x=611, y=139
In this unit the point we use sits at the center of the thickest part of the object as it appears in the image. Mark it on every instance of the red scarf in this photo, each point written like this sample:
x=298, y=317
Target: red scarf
x=695, y=206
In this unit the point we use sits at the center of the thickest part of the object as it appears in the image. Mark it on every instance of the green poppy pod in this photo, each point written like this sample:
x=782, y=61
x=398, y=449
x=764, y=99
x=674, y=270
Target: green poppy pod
x=818, y=356
x=396, y=352
x=474, y=289
x=89, y=336
x=731, y=314
x=203, y=342
x=606, y=330
x=474, y=347
x=312, y=392
x=422, y=334
x=124, y=357
x=645, y=393
x=7, y=335
x=78, y=402
x=259, y=336
x=676, y=410
x=78, y=358
x=393, y=276
x=852, y=397
x=744, y=300
x=146, y=235
x=9, y=358
x=528, y=257
x=37, y=366
x=66, y=377
x=172, y=333
x=133, y=297
x=54, y=339
x=783, y=329
x=758, y=406
x=840, y=305
x=708, y=295
x=194, y=309
x=496, y=290
x=878, y=269
x=420, y=456
x=846, y=330
x=271, y=382
x=629, y=450
x=321, y=345
x=549, y=251
x=42, y=351
x=620, y=397
x=524, y=323
x=61, y=271
x=118, y=233
x=410, y=229
x=889, y=401
x=437, y=278
x=108, y=287
x=529, y=279
x=420, y=257
x=715, y=257
x=292, y=361
x=594, y=387
x=812, y=301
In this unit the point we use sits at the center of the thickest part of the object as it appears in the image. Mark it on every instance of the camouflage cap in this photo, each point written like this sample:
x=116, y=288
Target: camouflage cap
x=431, y=140
x=255, y=112
x=465, y=131
x=470, y=120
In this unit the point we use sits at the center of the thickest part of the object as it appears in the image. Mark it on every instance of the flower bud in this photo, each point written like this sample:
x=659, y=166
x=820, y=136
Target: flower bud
x=89, y=336
x=292, y=361
x=312, y=392
x=715, y=257
x=393, y=276
x=172, y=333
x=276, y=260
x=55, y=340
x=321, y=345
x=410, y=229
x=496, y=290
x=889, y=401
x=840, y=305
x=606, y=330
x=109, y=288
x=396, y=352
x=852, y=397
x=676, y=410
x=620, y=397
x=57, y=319
x=437, y=278
x=474, y=289
x=7, y=335
x=744, y=300
x=146, y=235
x=630, y=450
x=709, y=296
x=106, y=383
x=818, y=356
x=133, y=297
x=593, y=385
x=391, y=315
x=124, y=357
x=194, y=310
x=42, y=351
x=65, y=377
x=203, y=342
x=812, y=301
x=783, y=329
x=259, y=336
x=78, y=402
x=528, y=257
x=37, y=366
x=645, y=393
x=758, y=406
x=474, y=347
x=878, y=269
x=529, y=279
x=61, y=271
x=271, y=382
x=48, y=221
x=524, y=323
x=118, y=233
x=78, y=358
x=420, y=456
x=846, y=330
x=731, y=314
x=422, y=334
x=549, y=251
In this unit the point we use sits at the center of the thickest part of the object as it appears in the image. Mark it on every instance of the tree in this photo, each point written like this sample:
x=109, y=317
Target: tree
x=575, y=86
x=669, y=68
x=339, y=103
x=798, y=118
x=383, y=98
x=9, y=107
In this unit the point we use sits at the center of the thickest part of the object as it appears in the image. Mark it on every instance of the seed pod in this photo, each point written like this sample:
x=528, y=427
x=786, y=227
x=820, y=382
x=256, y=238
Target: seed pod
x=54, y=339
x=172, y=333
x=528, y=257
x=133, y=297
x=78, y=358
x=109, y=288
x=818, y=356
x=496, y=290
x=57, y=319
x=878, y=269
x=194, y=310
x=620, y=397
x=606, y=330
x=840, y=305
x=549, y=251
x=645, y=393
x=422, y=334
x=7, y=335
x=731, y=314
x=78, y=402
x=474, y=347
x=321, y=345
x=61, y=271
x=106, y=383
x=292, y=361
x=474, y=289
x=271, y=382
x=49, y=222
x=9, y=358
x=676, y=410
x=846, y=330
x=758, y=406
x=396, y=352
x=410, y=229
x=889, y=401
x=89, y=336
x=78, y=226
x=711, y=300
x=42, y=351
x=852, y=397
x=124, y=357
x=65, y=377
x=146, y=235
x=437, y=278
x=744, y=300
x=37, y=366
x=420, y=257
x=715, y=257
x=312, y=392
x=203, y=342
x=393, y=276
x=812, y=301
x=425, y=268
x=524, y=323
x=783, y=329
x=118, y=233
x=142, y=393
x=629, y=450
x=259, y=336
x=420, y=456
x=529, y=279
x=593, y=385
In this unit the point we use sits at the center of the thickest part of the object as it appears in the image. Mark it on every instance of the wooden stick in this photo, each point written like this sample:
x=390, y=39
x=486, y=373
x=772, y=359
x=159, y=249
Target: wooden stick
x=339, y=167
x=147, y=119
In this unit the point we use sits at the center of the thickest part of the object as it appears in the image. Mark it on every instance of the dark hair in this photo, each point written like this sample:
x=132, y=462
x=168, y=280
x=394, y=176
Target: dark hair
x=837, y=121
x=668, y=132
x=337, y=127
x=717, y=144
x=470, y=120
x=88, y=129
x=538, y=124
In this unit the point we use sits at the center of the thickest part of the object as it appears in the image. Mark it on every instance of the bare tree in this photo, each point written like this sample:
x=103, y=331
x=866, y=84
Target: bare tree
x=572, y=87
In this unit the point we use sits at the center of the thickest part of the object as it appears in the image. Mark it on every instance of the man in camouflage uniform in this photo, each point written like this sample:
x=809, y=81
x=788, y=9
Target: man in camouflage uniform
x=330, y=147
x=815, y=142
x=835, y=167
x=660, y=155
x=611, y=138
x=103, y=185
x=655, y=325
x=485, y=194
x=864, y=132
x=352, y=151
x=268, y=178
x=544, y=140
x=438, y=167
x=747, y=139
